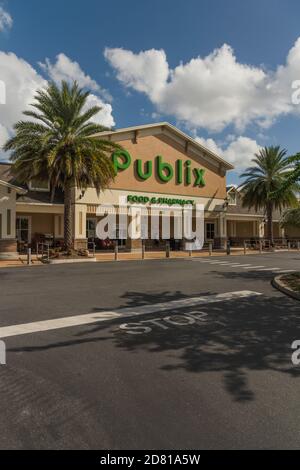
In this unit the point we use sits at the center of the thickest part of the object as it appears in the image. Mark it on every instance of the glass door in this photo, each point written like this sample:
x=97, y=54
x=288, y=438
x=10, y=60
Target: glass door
x=23, y=229
x=210, y=231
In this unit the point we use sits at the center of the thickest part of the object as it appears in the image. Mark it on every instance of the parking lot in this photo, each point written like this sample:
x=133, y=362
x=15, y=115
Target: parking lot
x=187, y=353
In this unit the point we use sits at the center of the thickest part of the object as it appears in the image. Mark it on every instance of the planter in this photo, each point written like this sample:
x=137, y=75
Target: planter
x=278, y=283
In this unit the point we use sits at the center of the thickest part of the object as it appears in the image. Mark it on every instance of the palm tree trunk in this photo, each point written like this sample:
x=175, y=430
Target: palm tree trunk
x=270, y=234
x=68, y=218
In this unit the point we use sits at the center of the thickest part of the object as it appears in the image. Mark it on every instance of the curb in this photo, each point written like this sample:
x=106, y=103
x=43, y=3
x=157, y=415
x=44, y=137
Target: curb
x=72, y=261
x=278, y=284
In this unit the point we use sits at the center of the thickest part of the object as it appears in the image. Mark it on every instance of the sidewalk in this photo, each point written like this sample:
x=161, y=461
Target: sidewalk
x=20, y=262
x=136, y=256
x=102, y=257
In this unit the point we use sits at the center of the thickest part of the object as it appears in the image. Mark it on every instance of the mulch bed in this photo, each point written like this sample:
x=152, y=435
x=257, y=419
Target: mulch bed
x=292, y=281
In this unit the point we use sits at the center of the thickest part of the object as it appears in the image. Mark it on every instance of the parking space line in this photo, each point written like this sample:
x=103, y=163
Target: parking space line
x=97, y=317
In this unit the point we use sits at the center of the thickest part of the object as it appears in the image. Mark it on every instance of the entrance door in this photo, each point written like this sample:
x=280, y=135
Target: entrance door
x=23, y=229
x=210, y=231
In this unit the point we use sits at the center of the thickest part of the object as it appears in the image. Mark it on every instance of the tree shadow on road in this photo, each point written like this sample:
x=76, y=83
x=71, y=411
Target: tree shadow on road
x=237, y=337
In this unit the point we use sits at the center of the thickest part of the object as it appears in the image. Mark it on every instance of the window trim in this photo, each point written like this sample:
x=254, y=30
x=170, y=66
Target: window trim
x=40, y=190
x=235, y=198
x=8, y=222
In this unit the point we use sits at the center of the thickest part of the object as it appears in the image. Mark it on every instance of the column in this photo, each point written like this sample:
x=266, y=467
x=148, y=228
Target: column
x=79, y=227
x=8, y=242
x=221, y=239
x=261, y=228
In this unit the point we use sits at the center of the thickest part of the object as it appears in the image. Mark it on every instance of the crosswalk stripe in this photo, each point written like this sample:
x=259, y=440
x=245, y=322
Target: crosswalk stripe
x=96, y=317
x=270, y=269
x=235, y=265
x=217, y=262
x=286, y=271
x=253, y=267
x=243, y=265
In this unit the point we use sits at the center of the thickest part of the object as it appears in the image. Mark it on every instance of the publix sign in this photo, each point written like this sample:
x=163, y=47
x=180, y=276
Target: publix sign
x=182, y=172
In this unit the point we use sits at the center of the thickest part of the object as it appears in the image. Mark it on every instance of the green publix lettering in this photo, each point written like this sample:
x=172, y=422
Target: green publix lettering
x=165, y=172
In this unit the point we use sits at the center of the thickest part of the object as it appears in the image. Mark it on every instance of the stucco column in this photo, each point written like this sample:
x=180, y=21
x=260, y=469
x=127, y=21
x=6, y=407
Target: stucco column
x=261, y=229
x=8, y=242
x=221, y=239
x=79, y=226
x=282, y=232
x=59, y=226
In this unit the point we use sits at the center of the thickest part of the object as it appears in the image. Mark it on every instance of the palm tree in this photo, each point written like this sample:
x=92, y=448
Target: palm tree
x=291, y=217
x=58, y=146
x=262, y=188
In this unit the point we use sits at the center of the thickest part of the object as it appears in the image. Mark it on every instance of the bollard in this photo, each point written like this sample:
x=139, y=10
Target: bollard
x=116, y=252
x=29, y=260
x=143, y=249
x=260, y=246
x=167, y=250
x=210, y=247
x=245, y=248
x=289, y=245
x=190, y=253
x=94, y=249
x=228, y=251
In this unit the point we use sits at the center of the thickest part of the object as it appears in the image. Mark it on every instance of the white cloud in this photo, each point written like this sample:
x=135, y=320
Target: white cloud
x=211, y=92
x=146, y=71
x=6, y=20
x=239, y=152
x=4, y=135
x=104, y=117
x=21, y=82
x=66, y=69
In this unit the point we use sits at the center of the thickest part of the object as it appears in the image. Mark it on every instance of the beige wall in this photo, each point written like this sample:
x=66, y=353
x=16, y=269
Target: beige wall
x=39, y=223
x=243, y=228
x=7, y=202
x=293, y=232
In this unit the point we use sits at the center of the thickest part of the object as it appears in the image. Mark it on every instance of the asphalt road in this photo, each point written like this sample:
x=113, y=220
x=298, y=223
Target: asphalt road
x=160, y=370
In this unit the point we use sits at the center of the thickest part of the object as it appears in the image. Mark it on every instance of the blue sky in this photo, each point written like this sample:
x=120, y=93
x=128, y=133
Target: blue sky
x=160, y=65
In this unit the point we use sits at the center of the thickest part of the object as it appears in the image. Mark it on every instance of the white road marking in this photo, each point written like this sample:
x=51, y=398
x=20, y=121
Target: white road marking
x=96, y=317
x=216, y=262
x=246, y=266
x=270, y=269
x=235, y=265
x=223, y=263
x=242, y=265
x=286, y=271
x=253, y=267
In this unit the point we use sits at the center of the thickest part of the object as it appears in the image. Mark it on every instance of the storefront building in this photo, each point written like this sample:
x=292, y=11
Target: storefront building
x=159, y=163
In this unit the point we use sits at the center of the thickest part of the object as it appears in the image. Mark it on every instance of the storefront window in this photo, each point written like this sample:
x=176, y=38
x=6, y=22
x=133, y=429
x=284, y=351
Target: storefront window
x=91, y=229
x=210, y=231
x=23, y=229
x=121, y=233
